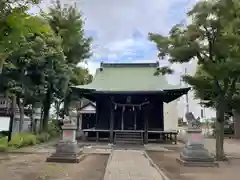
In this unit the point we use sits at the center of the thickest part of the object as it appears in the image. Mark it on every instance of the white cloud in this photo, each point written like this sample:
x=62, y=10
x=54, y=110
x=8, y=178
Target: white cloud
x=120, y=45
x=91, y=65
x=115, y=22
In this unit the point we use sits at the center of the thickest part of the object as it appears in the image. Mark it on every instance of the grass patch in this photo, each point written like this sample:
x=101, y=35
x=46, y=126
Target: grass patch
x=25, y=139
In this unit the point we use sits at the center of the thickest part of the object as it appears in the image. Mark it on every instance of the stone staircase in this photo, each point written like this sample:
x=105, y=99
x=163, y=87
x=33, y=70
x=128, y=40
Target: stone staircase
x=128, y=138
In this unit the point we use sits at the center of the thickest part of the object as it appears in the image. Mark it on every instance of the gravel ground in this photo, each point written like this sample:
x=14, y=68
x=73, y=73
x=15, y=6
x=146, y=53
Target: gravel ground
x=167, y=162
x=34, y=167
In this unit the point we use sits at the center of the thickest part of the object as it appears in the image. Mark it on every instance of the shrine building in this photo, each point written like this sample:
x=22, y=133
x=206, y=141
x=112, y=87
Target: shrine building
x=133, y=103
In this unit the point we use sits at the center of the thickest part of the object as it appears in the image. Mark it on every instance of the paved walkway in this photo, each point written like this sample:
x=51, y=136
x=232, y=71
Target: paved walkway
x=130, y=165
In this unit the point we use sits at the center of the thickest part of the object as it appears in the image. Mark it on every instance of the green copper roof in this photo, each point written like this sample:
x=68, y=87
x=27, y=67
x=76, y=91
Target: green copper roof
x=128, y=77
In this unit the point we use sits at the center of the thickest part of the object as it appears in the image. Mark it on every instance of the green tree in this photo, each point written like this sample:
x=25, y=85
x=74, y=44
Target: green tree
x=232, y=99
x=35, y=61
x=40, y=54
x=15, y=23
x=67, y=23
x=212, y=38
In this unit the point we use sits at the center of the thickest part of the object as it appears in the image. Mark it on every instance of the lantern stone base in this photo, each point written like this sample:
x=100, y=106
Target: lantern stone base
x=206, y=161
x=66, y=152
x=194, y=153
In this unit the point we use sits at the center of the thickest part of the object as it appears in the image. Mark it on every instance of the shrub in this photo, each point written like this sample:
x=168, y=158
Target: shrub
x=53, y=128
x=3, y=133
x=43, y=137
x=28, y=139
x=16, y=141
x=22, y=140
x=3, y=143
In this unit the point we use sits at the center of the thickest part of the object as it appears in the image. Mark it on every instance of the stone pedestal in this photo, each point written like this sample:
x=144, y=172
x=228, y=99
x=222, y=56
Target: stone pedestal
x=194, y=153
x=67, y=148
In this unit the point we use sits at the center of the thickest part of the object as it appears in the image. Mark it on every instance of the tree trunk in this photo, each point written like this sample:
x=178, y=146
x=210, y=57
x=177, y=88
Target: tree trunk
x=41, y=120
x=46, y=109
x=236, y=122
x=12, y=117
x=33, y=122
x=220, y=156
x=21, y=113
x=2, y=60
x=66, y=104
x=58, y=109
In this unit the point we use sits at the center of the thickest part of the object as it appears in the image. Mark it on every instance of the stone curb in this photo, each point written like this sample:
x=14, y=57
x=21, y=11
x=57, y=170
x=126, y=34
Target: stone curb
x=25, y=152
x=108, y=162
x=155, y=166
x=53, y=159
x=34, y=148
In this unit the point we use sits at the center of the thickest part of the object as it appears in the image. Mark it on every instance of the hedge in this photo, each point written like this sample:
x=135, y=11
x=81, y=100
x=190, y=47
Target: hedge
x=25, y=139
x=3, y=143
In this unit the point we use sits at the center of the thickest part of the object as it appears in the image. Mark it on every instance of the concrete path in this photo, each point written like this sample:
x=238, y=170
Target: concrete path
x=130, y=165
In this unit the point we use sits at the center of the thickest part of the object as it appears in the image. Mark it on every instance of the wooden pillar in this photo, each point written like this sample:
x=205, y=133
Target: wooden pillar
x=122, y=120
x=97, y=136
x=79, y=121
x=111, y=122
x=175, y=138
x=146, y=125
x=97, y=115
x=135, y=118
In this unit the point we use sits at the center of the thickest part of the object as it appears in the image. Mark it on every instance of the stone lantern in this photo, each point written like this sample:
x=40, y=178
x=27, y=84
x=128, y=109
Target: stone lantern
x=194, y=153
x=67, y=149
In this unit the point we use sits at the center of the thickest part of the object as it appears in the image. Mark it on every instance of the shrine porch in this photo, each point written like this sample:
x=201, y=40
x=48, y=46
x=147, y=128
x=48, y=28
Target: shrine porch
x=153, y=136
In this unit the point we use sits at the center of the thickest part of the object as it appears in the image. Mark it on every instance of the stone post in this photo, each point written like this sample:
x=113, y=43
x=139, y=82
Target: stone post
x=194, y=153
x=36, y=117
x=236, y=123
x=67, y=148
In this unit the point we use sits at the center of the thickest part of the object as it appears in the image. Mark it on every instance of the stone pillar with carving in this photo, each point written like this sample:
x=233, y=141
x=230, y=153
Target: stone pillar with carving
x=194, y=152
x=67, y=149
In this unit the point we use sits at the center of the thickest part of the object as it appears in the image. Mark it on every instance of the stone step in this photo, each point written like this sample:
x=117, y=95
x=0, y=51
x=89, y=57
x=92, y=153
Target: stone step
x=128, y=146
x=127, y=142
x=128, y=136
x=129, y=133
x=129, y=139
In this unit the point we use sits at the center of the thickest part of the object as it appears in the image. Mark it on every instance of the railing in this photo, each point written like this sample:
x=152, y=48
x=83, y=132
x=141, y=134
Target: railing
x=164, y=136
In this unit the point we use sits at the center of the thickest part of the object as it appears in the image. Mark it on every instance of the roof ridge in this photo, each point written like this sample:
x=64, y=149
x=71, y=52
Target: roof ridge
x=156, y=64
